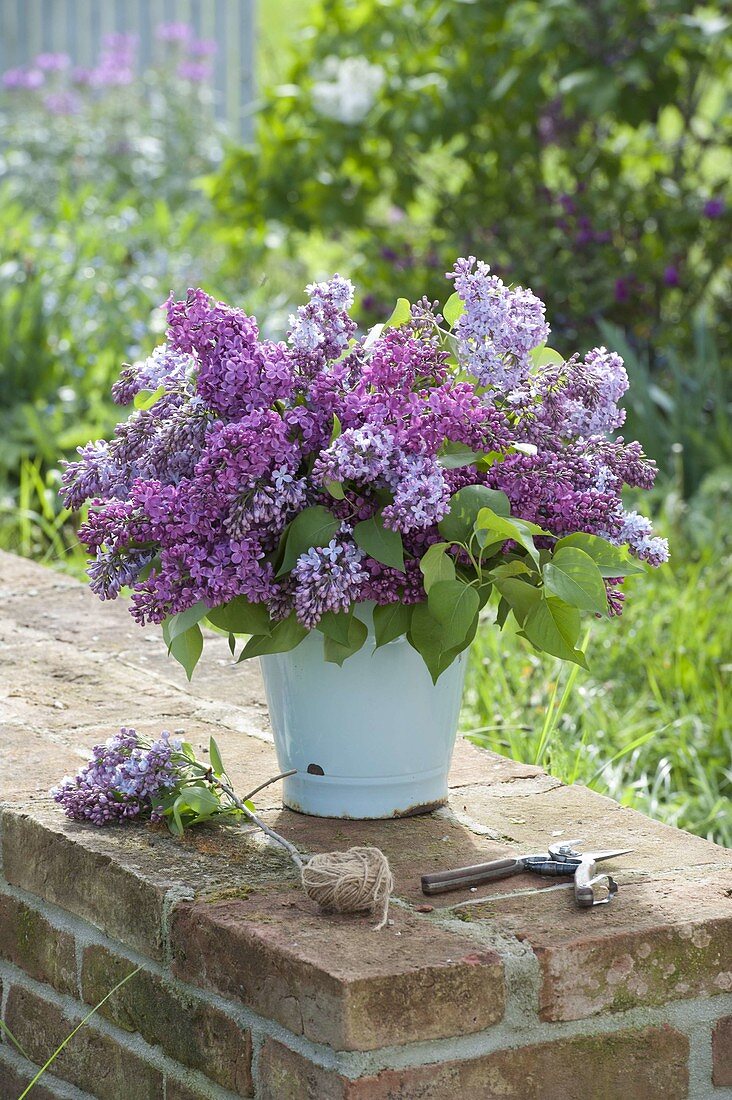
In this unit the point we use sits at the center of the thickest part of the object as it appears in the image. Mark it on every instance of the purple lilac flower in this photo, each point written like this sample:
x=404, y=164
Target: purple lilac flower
x=175, y=32
x=421, y=494
x=327, y=578
x=27, y=79
x=202, y=47
x=622, y=290
x=636, y=532
x=320, y=330
x=195, y=71
x=52, y=62
x=191, y=496
x=122, y=780
x=62, y=103
x=714, y=208
x=671, y=275
x=499, y=328
x=236, y=371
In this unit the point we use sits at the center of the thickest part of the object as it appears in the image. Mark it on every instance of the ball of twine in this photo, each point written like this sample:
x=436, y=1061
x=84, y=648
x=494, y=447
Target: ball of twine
x=350, y=882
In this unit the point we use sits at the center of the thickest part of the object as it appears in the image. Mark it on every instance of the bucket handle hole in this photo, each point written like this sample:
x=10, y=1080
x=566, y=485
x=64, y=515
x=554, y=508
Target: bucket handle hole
x=315, y=769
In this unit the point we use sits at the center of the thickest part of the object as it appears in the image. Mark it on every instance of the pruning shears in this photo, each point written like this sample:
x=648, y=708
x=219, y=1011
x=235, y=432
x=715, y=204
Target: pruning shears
x=590, y=888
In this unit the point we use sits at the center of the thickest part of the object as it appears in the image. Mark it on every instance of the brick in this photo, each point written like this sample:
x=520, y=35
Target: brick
x=13, y=1082
x=187, y=1028
x=285, y=1075
x=722, y=1052
x=31, y=942
x=334, y=980
x=652, y=1064
x=47, y=859
x=659, y=941
x=91, y=1060
x=178, y=1090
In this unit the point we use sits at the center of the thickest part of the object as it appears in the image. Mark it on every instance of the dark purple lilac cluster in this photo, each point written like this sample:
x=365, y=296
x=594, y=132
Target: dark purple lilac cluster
x=235, y=436
x=124, y=779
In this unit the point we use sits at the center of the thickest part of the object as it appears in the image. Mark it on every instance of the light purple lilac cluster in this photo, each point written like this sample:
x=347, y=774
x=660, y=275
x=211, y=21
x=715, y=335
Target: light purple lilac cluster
x=193, y=495
x=124, y=779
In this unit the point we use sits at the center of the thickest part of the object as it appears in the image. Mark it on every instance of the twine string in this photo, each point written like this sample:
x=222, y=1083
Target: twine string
x=353, y=881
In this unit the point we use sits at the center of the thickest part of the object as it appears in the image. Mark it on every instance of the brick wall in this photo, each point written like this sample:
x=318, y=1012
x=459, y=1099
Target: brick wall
x=245, y=990
x=226, y=1006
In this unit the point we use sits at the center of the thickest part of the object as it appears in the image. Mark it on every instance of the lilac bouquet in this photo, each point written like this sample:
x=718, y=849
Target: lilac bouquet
x=129, y=778
x=440, y=461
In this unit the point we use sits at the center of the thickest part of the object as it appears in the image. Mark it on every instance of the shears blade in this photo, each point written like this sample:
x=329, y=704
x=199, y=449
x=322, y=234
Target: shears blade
x=609, y=854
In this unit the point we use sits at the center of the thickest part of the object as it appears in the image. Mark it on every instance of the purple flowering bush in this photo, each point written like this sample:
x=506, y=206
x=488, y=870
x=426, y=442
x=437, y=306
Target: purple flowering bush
x=130, y=132
x=443, y=460
x=129, y=778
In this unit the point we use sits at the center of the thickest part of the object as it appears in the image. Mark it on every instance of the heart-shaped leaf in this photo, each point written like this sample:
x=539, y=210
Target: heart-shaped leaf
x=379, y=542
x=573, y=576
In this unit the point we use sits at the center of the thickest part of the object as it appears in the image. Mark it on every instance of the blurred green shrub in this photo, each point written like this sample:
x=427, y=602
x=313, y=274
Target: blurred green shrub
x=582, y=148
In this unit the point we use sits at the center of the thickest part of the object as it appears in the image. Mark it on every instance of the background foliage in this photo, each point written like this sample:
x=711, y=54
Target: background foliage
x=581, y=148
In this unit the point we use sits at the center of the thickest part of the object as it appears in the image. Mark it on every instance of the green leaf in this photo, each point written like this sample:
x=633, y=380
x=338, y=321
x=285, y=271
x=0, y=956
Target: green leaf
x=336, y=625
x=400, y=315
x=145, y=399
x=391, y=621
x=521, y=597
x=336, y=428
x=427, y=636
x=489, y=526
x=436, y=565
x=379, y=542
x=611, y=560
x=186, y=648
x=314, y=526
x=553, y=627
x=215, y=757
x=239, y=616
x=200, y=800
x=454, y=605
x=285, y=635
x=337, y=653
x=505, y=569
x=183, y=620
x=453, y=309
x=457, y=525
x=335, y=489
x=546, y=357
x=502, y=612
x=232, y=644
x=454, y=455
x=573, y=576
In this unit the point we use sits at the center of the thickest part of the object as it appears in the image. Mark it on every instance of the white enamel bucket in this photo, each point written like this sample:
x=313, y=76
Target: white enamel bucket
x=371, y=739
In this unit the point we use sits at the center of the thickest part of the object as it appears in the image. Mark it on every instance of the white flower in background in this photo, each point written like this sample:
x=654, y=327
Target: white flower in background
x=348, y=89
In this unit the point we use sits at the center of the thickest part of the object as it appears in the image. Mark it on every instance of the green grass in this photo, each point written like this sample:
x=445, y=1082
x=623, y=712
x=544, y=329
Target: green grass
x=650, y=723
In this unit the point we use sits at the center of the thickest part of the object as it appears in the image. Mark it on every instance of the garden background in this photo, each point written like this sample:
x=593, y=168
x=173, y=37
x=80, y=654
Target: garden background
x=581, y=147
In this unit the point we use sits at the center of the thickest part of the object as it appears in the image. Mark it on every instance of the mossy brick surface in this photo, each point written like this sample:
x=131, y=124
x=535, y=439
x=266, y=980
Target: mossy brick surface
x=644, y=1064
x=91, y=1060
x=669, y=939
x=31, y=942
x=194, y=1033
x=722, y=1053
